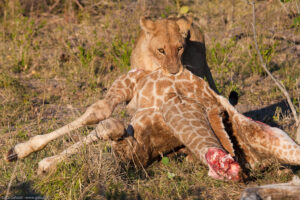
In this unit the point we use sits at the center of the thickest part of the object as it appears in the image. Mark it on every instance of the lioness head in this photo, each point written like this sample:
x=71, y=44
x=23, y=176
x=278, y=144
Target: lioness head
x=164, y=44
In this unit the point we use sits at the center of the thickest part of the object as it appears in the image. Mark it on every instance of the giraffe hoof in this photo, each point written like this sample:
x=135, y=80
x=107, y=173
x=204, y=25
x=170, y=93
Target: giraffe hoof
x=222, y=165
x=11, y=155
x=47, y=165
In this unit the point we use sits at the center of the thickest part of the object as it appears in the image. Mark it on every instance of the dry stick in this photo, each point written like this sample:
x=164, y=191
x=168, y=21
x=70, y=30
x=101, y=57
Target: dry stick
x=10, y=181
x=79, y=4
x=54, y=5
x=298, y=132
x=281, y=86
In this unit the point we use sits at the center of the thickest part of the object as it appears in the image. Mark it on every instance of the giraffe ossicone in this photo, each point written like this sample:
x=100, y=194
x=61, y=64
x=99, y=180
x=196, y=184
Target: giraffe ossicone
x=171, y=111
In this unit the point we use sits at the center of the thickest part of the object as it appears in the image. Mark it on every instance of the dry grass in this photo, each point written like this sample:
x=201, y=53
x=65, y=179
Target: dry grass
x=57, y=57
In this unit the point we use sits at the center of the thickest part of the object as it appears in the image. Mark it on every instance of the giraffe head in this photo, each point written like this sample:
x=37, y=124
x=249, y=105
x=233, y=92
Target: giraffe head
x=164, y=44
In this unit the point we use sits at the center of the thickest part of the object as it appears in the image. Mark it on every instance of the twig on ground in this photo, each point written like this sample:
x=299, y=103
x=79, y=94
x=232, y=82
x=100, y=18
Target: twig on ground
x=54, y=5
x=279, y=85
x=283, y=6
x=79, y=4
x=297, y=7
x=10, y=181
x=298, y=132
x=289, y=190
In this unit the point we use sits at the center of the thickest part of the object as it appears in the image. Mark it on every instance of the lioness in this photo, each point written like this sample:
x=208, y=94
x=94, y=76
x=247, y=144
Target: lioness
x=170, y=43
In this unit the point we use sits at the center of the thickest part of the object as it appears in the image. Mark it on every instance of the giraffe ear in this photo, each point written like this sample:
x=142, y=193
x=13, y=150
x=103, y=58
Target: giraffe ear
x=147, y=25
x=184, y=24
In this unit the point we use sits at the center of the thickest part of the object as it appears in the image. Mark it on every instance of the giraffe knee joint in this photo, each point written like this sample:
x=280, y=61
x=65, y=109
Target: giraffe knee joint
x=110, y=129
x=97, y=112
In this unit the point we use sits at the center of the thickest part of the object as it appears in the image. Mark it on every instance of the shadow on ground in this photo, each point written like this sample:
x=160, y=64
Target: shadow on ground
x=266, y=114
x=24, y=190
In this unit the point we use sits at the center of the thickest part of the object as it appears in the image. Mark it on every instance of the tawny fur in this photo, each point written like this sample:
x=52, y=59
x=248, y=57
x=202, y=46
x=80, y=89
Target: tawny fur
x=169, y=35
x=170, y=108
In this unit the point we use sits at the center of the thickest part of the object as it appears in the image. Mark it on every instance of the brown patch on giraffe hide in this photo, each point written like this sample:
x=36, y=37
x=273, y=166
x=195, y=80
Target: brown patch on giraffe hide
x=128, y=92
x=217, y=125
x=162, y=140
x=194, y=143
x=177, y=100
x=186, y=129
x=185, y=75
x=175, y=120
x=169, y=96
x=127, y=81
x=183, y=87
x=187, y=115
x=148, y=89
x=196, y=123
x=146, y=102
x=211, y=140
x=161, y=86
x=158, y=102
x=247, y=132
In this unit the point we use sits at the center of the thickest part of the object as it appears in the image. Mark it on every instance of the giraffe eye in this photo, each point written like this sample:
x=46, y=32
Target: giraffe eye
x=161, y=50
x=179, y=48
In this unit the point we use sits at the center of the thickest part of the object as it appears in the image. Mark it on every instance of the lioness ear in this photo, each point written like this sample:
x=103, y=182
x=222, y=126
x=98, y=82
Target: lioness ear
x=147, y=25
x=185, y=24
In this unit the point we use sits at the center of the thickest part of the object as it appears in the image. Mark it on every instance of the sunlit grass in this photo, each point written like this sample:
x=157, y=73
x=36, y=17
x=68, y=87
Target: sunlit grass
x=54, y=62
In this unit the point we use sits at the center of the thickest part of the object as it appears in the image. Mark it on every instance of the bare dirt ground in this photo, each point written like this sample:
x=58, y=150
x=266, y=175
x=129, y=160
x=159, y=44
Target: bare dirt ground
x=57, y=57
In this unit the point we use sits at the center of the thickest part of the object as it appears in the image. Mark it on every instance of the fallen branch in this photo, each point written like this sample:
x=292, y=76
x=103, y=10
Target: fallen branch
x=279, y=85
x=295, y=40
x=289, y=190
x=54, y=5
x=298, y=132
x=79, y=4
x=10, y=181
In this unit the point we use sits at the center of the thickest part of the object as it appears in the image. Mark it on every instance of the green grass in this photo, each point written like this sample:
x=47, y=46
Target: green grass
x=55, y=62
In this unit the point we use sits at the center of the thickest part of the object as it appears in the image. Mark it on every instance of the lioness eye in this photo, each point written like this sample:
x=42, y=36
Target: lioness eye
x=179, y=48
x=161, y=50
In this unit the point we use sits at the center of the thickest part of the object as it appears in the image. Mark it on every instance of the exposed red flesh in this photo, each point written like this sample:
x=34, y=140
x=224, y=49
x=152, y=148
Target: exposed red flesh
x=222, y=165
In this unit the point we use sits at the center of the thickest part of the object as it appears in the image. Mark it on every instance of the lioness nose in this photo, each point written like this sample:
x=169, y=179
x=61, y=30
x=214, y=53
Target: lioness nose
x=174, y=69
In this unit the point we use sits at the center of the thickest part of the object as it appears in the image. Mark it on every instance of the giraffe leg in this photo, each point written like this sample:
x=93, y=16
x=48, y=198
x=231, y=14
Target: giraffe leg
x=96, y=112
x=260, y=142
x=151, y=139
x=290, y=150
x=120, y=91
x=273, y=142
x=105, y=130
x=136, y=148
x=49, y=164
x=188, y=121
x=130, y=150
